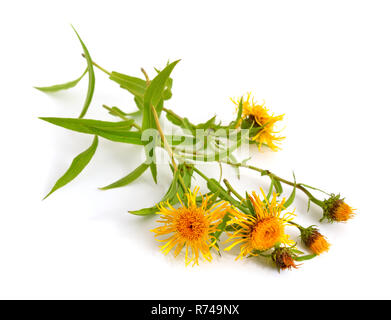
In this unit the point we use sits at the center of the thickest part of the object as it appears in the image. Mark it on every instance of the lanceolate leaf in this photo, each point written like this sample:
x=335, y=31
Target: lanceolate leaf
x=114, y=131
x=153, y=95
x=128, y=178
x=278, y=186
x=235, y=123
x=171, y=196
x=306, y=257
x=91, y=77
x=221, y=226
x=85, y=125
x=270, y=188
x=63, y=86
x=77, y=166
x=145, y=211
x=292, y=196
x=131, y=137
x=153, y=98
x=135, y=86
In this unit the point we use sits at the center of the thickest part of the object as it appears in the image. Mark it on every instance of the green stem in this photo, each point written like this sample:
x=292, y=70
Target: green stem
x=296, y=225
x=272, y=175
x=230, y=188
x=98, y=66
x=201, y=174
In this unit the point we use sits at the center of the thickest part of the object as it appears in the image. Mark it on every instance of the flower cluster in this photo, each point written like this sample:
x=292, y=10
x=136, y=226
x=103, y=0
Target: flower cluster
x=196, y=226
x=192, y=223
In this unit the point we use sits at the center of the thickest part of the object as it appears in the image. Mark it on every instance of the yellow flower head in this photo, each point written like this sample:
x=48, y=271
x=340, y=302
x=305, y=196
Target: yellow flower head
x=190, y=226
x=314, y=240
x=259, y=115
x=263, y=230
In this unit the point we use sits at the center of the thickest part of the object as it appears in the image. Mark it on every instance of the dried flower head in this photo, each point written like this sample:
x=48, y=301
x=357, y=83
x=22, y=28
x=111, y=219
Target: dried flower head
x=258, y=115
x=261, y=231
x=314, y=240
x=190, y=226
x=335, y=209
x=284, y=258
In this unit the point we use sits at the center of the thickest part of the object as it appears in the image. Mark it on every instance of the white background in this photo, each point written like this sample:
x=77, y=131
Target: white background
x=325, y=64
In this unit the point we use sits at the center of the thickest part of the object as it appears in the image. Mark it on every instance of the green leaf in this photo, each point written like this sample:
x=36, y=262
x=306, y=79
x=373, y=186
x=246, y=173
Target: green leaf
x=91, y=77
x=306, y=257
x=214, y=186
x=63, y=86
x=270, y=188
x=171, y=196
x=207, y=124
x=153, y=97
x=292, y=196
x=145, y=211
x=173, y=119
x=307, y=186
x=135, y=86
x=139, y=101
x=153, y=167
x=278, y=186
x=131, y=137
x=128, y=178
x=250, y=204
x=114, y=131
x=86, y=125
x=77, y=166
x=221, y=226
x=115, y=111
x=186, y=173
x=235, y=123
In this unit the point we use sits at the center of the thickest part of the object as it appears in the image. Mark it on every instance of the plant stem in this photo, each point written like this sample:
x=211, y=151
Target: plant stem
x=98, y=66
x=167, y=147
x=296, y=225
x=146, y=77
x=230, y=188
x=272, y=175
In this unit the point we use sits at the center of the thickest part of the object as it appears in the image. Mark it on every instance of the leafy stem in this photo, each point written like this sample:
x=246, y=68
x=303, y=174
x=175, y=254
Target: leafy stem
x=275, y=177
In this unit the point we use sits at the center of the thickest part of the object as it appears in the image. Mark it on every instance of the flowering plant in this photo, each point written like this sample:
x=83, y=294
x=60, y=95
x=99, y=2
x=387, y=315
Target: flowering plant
x=192, y=221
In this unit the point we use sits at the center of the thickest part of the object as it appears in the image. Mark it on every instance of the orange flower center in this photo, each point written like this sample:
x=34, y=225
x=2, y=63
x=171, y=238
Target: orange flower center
x=267, y=233
x=191, y=224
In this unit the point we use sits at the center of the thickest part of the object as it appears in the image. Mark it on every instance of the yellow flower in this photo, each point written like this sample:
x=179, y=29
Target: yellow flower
x=190, y=226
x=263, y=230
x=259, y=115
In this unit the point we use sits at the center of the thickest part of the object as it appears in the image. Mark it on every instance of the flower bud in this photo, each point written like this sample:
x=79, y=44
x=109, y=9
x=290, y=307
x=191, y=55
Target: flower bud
x=284, y=258
x=314, y=240
x=335, y=209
